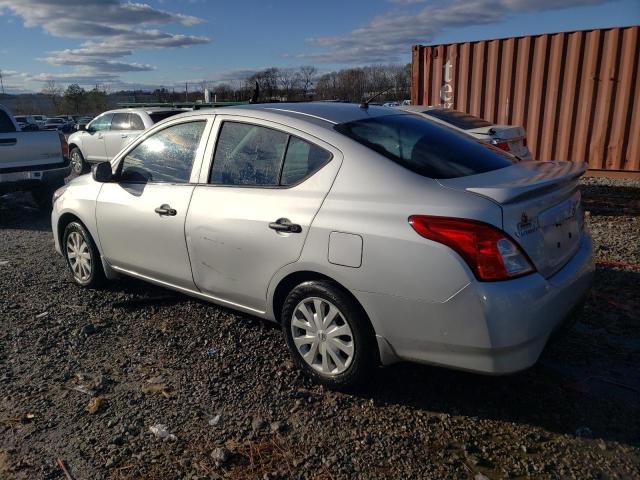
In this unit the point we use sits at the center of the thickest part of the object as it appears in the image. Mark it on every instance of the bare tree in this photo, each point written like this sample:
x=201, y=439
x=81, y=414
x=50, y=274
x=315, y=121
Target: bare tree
x=289, y=81
x=307, y=74
x=54, y=92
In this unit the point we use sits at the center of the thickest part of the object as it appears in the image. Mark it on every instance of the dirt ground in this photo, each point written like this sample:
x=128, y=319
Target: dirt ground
x=90, y=382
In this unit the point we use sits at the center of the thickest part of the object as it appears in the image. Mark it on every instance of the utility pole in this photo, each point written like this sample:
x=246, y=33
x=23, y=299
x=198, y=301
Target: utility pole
x=1, y=83
x=186, y=92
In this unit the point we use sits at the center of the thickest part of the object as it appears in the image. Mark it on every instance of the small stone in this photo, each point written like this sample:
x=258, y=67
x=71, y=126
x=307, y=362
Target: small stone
x=480, y=476
x=276, y=427
x=257, y=424
x=215, y=420
x=220, y=455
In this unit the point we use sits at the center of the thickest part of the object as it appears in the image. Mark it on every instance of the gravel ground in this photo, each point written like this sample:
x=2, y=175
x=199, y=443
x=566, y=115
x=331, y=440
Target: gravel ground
x=98, y=378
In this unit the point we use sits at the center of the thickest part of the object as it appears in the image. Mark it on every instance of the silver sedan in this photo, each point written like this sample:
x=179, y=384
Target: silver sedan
x=371, y=235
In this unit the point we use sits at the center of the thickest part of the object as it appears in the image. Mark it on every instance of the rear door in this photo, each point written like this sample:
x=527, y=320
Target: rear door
x=93, y=143
x=251, y=212
x=115, y=137
x=141, y=215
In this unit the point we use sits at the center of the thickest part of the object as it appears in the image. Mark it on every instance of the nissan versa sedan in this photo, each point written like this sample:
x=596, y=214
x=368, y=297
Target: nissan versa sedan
x=370, y=234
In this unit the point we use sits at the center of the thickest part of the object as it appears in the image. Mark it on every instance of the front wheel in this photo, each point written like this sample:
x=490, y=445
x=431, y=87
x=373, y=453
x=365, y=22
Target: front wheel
x=328, y=335
x=78, y=164
x=82, y=256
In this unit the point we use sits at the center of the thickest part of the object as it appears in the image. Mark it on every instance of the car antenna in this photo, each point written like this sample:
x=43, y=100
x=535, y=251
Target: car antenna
x=256, y=94
x=365, y=104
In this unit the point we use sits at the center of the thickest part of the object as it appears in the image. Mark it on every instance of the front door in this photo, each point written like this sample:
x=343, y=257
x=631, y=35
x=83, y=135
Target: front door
x=93, y=146
x=141, y=215
x=251, y=215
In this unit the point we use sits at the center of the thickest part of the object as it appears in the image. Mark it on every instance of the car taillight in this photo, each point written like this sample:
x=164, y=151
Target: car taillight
x=488, y=251
x=501, y=145
x=64, y=146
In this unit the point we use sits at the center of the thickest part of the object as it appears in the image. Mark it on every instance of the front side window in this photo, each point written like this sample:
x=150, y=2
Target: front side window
x=166, y=156
x=425, y=148
x=103, y=122
x=248, y=155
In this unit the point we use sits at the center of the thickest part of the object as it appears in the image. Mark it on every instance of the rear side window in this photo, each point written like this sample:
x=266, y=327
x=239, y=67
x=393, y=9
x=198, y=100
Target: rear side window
x=135, y=122
x=120, y=121
x=248, y=155
x=302, y=160
x=459, y=119
x=166, y=156
x=424, y=147
x=6, y=125
x=251, y=155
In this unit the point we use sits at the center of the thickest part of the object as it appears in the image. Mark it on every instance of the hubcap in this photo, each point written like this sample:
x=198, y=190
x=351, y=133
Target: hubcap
x=79, y=256
x=76, y=161
x=322, y=336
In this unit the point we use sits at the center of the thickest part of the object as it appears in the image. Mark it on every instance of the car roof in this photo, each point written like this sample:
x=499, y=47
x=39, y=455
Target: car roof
x=325, y=114
x=147, y=110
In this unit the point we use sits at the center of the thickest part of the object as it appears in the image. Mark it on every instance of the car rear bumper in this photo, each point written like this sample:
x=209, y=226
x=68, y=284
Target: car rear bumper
x=34, y=177
x=487, y=327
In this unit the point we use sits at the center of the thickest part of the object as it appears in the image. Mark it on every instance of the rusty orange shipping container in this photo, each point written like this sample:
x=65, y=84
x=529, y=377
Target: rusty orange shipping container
x=576, y=93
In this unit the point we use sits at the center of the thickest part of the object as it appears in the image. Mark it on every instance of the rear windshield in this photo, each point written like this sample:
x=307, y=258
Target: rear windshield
x=459, y=119
x=157, y=116
x=425, y=147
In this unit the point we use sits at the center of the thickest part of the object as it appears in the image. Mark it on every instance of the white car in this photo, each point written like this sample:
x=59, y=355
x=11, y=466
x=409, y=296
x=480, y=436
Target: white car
x=109, y=132
x=371, y=235
x=510, y=138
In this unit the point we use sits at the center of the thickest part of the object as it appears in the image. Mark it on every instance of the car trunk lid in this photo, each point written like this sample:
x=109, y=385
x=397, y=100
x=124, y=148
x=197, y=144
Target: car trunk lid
x=513, y=135
x=541, y=207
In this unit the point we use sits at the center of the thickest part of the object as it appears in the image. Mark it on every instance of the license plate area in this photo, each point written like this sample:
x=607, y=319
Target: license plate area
x=561, y=227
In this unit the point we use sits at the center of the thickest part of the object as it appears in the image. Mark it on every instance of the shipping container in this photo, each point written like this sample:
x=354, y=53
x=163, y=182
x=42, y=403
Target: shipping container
x=576, y=93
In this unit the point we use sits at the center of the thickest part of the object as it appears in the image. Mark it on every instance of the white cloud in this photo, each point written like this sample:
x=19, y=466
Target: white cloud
x=111, y=29
x=388, y=37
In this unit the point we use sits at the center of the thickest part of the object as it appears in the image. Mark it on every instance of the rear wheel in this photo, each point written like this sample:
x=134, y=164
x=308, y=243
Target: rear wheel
x=82, y=256
x=78, y=165
x=328, y=335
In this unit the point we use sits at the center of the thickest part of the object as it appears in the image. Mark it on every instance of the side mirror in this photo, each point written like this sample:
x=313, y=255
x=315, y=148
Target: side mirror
x=101, y=172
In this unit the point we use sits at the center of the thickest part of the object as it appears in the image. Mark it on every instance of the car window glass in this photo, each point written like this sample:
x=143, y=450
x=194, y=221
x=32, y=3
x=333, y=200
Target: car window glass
x=103, y=122
x=166, y=156
x=6, y=125
x=425, y=147
x=248, y=155
x=459, y=119
x=120, y=121
x=302, y=160
x=135, y=122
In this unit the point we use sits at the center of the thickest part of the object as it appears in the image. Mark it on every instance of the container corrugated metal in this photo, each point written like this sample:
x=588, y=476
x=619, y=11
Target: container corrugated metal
x=576, y=93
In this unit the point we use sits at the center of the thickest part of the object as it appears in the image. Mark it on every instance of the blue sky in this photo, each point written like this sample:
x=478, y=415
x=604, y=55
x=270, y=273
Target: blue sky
x=167, y=42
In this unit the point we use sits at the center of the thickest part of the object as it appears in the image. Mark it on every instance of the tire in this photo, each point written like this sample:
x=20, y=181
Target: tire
x=358, y=362
x=78, y=163
x=77, y=240
x=43, y=196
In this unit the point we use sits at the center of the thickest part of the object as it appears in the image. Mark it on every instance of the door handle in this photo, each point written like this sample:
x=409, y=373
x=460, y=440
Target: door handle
x=100, y=137
x=285, y=225
x=165, y=209
x=124, y=136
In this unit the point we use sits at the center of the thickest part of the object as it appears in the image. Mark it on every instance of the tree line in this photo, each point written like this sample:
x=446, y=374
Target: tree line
x=274, y=84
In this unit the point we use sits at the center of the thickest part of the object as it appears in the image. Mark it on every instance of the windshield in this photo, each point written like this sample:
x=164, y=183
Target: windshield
x=161, y=115
x=425, y=147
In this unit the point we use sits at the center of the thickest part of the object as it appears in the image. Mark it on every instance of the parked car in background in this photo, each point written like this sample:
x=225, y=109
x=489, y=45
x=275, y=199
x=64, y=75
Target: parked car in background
x=83, y=122
x=31, y=161
x=55, y=124
x=509, y=138
x=102, y=138
x=27, y=123
x=69, y=123
x=371, y=235
x=391, y=104
x=41, y=120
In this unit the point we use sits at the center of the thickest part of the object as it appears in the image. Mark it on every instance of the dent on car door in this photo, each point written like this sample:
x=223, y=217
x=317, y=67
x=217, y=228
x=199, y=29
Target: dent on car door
x=141, y=214
x=252, y=217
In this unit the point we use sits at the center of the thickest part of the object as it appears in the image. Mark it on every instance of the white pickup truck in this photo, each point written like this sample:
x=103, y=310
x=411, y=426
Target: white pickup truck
x=31, y=161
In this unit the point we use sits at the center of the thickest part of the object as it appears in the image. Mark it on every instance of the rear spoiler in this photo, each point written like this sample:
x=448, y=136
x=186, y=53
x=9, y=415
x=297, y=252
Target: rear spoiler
x=519, y=181
x=552, y=176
